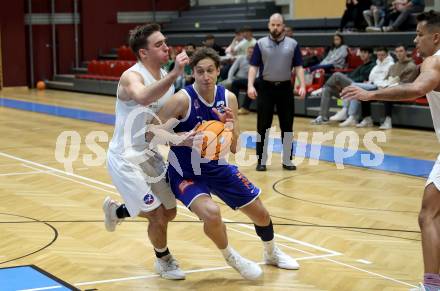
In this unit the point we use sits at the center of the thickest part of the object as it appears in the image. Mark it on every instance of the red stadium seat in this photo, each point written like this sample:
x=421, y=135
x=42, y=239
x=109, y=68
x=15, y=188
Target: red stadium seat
x=306, y=51
x=319, y=52
x=317, y=81
x=92, y=67
x=353, y=61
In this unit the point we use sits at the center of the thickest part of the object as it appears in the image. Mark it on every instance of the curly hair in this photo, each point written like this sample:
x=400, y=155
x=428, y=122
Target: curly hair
x=203, y=53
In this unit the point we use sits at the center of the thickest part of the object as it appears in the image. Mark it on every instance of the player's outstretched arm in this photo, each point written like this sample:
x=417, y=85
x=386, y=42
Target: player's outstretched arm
x=428, y=80
x=133, y=88
x=169, y=115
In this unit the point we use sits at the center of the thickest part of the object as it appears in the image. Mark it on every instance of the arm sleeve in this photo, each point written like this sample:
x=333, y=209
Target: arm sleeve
x=256, y=59
x=297, y=57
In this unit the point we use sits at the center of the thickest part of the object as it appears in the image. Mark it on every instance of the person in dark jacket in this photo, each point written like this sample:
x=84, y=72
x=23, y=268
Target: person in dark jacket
x=353, y=12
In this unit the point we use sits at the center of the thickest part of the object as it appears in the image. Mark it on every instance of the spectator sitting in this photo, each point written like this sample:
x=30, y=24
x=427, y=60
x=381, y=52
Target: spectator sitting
x=288, y=31
x=238, y=79
x=375, y=15
x=247, y=41
x=335, y=57
x=187, y=77
x=353, y=12
x=240, y=49
x=377, y=75
x=210, y=42
x=235, y=41
x=400, y=13
x=338, y=81
x=404, y=71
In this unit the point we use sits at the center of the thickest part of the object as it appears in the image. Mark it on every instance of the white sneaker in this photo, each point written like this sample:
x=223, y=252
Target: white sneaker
x=350, y=121
x=169, y=268
x=319, y=120
x=280, y=259
x=373, y=29
x=110, y=219
x=366, y=122
x=341, y=115
x=387, y=124
x=317, y=92
x=247, y=269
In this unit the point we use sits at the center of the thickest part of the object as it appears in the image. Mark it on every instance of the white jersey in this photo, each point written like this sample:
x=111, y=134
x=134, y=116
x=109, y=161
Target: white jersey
x=434, y=104
x=132, y=118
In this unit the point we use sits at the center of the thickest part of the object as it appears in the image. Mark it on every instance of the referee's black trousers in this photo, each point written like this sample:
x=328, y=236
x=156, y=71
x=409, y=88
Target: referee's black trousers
x=271, y=94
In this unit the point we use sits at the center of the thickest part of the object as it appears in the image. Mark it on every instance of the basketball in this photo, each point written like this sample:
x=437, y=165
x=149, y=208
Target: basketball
x=41, y=85
x=216, y=139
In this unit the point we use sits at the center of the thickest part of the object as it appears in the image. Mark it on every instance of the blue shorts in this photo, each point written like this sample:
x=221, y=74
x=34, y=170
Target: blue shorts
x=225, y=181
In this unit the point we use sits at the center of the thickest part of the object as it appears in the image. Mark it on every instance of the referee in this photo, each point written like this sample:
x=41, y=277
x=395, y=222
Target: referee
x=275, y=56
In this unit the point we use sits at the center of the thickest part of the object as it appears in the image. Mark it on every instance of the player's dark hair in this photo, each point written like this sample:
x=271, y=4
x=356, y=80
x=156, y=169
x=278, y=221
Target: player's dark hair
x=431, y=17
x=203, y=53
x=139, y=35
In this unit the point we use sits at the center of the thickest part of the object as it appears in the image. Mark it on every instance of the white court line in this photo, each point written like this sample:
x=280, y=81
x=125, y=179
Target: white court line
x=381, y=241
x=111, y=186
x=286, y=246
x=22, y=173
x=42, y=288
x=73, y=180
x=364, y=261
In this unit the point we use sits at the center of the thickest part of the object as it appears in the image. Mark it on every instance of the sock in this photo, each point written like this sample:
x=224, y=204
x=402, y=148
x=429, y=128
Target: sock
x=431, y=279
x=265, y=232
x=161, y=253
x=122, y=212
x=269, y=246
x=226, y=251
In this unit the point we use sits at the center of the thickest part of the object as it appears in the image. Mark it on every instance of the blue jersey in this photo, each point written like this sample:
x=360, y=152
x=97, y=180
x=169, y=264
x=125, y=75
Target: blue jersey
x=198, y=111
x=190, y=180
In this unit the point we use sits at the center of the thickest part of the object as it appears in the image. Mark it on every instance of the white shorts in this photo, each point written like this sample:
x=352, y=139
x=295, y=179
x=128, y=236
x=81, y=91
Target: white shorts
x=135, y=185
x=434, y=176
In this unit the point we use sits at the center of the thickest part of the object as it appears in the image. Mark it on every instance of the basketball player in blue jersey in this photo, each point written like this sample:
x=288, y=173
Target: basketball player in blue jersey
x=205, y=101
x=427, y=83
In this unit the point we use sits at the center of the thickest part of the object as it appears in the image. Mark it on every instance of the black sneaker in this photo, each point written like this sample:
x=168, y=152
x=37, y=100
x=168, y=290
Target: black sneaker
x=261, y=168
x=290, y=167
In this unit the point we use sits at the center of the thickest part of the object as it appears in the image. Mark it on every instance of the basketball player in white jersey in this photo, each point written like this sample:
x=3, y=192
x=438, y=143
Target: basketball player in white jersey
x=428, y=83
x=142, y=90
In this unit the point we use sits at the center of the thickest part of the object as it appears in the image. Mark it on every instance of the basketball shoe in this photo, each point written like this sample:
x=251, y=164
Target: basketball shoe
x=110, y=219
x=247, y=269
x=277, y=258
x=168, y=268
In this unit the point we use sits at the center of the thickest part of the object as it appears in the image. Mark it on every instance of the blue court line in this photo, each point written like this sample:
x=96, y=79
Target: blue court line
x=27, y=277
x=59, y=111
x=391, y=163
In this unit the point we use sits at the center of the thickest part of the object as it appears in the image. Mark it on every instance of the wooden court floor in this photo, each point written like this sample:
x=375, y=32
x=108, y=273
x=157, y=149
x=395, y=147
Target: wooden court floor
x=350, y=229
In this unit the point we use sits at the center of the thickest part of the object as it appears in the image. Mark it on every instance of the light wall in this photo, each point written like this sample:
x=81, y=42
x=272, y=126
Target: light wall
x=317, y=8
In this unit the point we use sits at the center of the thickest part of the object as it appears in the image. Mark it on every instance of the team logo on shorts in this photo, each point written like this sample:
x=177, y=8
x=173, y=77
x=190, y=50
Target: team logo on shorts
x=148, y=199
x=184, y=184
